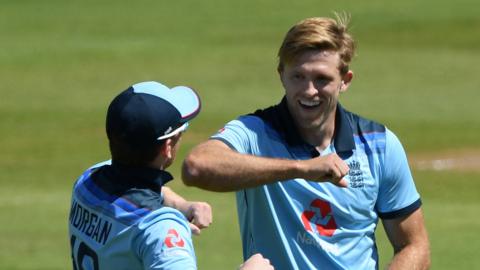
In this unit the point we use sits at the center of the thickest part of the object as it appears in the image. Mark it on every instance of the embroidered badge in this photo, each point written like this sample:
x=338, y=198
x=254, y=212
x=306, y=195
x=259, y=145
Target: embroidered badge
x=355, y=174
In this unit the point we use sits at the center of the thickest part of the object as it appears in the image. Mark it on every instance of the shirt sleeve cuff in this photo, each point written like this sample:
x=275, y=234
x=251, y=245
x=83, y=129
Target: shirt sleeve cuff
x=401, y=212
x=225, y=142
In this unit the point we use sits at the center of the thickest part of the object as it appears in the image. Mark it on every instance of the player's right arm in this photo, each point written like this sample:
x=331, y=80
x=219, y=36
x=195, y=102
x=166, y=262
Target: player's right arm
x=199, y=214
x=213, y=165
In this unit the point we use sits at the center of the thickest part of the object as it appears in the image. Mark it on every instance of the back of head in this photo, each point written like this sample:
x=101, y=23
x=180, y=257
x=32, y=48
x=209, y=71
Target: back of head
x=318, y=34
x=143, y=116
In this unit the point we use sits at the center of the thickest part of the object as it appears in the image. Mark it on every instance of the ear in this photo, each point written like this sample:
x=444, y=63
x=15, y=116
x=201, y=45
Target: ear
x=167, y=148
x=280, y=74
x=346, y=81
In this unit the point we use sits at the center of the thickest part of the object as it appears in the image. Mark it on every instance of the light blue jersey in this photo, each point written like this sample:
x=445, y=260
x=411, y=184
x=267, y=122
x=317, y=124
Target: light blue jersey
x=117, y=222
x=301, y=224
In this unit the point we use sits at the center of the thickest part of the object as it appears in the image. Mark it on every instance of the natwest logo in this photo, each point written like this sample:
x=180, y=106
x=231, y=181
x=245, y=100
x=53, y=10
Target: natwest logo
x=173, y=239
x=320, y=214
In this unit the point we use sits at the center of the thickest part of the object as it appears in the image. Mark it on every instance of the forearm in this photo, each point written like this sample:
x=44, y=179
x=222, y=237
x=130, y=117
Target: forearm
x=409, y=239
x=210, y=166
x=415, y=257
x=174, y=200
x=199, y=214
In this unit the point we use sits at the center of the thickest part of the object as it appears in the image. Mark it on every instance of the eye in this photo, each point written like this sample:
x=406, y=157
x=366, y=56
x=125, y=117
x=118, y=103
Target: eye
x=323, y=79
x=297, y=76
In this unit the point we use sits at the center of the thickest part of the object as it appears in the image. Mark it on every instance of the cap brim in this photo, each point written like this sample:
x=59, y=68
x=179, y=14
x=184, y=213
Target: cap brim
x=173, y=133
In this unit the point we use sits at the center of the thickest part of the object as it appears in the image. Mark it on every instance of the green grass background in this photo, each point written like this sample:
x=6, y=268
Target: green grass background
x=61, y=62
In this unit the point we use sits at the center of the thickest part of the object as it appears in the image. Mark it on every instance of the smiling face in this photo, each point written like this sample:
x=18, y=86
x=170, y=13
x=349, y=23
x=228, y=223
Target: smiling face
x=312, y=85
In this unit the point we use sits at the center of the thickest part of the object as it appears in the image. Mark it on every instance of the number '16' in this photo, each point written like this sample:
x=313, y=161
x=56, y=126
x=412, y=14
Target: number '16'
x=83, y=250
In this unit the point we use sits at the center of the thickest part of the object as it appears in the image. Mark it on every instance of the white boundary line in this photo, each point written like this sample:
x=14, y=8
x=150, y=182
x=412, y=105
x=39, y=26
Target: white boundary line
x=461, y=163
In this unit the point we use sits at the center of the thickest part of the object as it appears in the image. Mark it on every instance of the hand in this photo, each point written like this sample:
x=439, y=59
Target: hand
x=329, y=168
x=200, y=216
x=256, y=262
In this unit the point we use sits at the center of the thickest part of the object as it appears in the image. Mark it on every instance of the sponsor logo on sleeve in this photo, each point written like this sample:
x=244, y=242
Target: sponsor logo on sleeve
x=173, y=239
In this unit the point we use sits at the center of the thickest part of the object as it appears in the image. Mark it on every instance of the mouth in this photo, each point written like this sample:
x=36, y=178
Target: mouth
x=309, y=104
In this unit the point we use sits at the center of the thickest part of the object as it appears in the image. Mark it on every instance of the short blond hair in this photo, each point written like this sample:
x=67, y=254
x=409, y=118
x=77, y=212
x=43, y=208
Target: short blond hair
x=318, y=34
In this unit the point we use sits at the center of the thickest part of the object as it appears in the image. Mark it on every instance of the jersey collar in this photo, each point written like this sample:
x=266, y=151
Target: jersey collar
x=279, y=117
x=123, y=177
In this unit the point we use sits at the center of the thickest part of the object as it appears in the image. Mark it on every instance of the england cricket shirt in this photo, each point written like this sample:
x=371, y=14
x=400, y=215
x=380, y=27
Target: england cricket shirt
x=302, y=224
x=117, y=221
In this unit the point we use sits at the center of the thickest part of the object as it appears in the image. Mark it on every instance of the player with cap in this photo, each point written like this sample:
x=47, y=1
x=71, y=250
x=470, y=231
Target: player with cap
x=120, y=216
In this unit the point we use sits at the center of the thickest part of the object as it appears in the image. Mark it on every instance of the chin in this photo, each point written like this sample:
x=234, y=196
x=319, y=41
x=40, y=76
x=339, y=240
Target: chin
x=305, y=124
x=315, y=123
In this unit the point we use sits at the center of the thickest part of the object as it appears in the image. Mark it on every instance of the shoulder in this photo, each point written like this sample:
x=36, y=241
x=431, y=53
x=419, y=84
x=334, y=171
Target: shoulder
x=88, y=172
x=164, y=215
x=248, y=122
x=244, y=133
x=100, y=164
x=368, y=134
x=362, y=125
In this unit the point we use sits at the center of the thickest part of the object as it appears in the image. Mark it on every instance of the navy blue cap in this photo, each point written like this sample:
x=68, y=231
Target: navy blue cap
x=149, y=112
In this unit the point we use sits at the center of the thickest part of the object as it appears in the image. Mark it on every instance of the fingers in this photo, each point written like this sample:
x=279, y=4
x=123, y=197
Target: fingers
x=200, y=216
x=329, y=168
x=341, y=165
x=341, y=171
x=342, y=183
x=256, y=262
x=195, y=229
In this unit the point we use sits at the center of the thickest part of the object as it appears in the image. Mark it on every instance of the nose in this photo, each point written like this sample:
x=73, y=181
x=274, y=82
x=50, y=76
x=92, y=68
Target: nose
x=311, y=89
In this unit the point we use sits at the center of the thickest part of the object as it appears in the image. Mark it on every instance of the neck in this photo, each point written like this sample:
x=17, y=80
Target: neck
x=320, y=136
x=158, y=163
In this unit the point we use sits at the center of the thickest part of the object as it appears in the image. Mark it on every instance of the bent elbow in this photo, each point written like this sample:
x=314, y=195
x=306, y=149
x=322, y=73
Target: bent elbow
x=190, y=171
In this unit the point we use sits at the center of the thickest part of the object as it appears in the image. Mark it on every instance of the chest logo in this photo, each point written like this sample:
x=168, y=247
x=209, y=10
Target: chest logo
x=320, y=214
x=355, y=175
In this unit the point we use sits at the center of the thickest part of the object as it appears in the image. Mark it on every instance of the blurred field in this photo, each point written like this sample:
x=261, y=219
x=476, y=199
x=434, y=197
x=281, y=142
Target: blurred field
x=61, y=62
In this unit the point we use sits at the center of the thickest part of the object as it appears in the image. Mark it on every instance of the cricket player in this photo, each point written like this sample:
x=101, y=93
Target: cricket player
x=312, y=178
x=120, y=216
